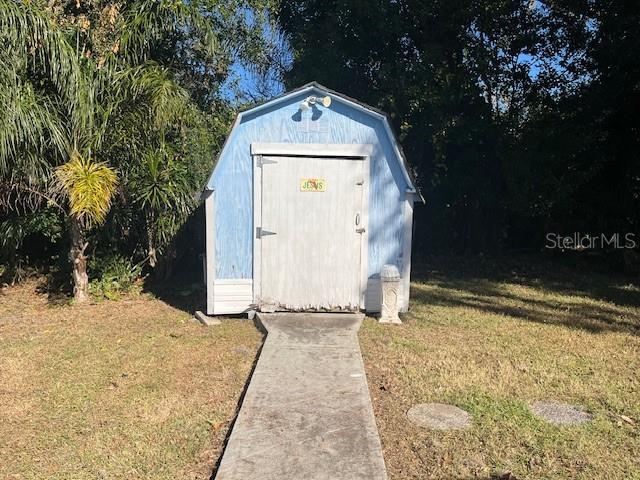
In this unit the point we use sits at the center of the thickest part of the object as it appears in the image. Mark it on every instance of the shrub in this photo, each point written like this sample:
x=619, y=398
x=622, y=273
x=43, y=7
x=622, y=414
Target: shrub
x=113, y=276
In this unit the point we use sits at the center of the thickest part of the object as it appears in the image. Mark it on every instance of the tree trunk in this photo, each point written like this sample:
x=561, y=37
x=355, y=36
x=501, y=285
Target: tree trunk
x=78, y=261
x=153, y=256
x=166, y=263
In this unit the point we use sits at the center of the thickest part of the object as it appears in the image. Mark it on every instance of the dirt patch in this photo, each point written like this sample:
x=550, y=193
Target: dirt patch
x=560, y=413
x=439, y=416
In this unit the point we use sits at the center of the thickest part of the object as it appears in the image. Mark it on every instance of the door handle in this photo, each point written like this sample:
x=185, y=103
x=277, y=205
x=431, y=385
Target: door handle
x=357, y=219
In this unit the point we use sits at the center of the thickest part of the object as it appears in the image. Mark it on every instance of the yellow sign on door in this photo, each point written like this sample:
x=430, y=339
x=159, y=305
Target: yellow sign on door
x=313, y=185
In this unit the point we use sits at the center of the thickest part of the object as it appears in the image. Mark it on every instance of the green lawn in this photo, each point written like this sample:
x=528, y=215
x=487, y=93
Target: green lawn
x=492, y=338
x=135, y=389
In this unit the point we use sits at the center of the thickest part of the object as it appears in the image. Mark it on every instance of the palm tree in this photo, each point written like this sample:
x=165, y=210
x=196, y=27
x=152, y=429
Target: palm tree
x=64, y=84
x=89, y=187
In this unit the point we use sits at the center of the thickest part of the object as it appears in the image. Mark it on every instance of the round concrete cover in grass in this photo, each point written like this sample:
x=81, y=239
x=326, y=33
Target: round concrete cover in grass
x=439, y=416
x=559, y=413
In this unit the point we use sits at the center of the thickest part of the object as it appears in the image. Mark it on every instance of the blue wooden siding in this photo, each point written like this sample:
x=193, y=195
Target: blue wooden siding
x=283, y=123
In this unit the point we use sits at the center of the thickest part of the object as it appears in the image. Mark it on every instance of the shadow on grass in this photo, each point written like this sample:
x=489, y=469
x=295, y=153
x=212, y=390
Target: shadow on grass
x=590, y=301
x=187, y=296
x=57, y=286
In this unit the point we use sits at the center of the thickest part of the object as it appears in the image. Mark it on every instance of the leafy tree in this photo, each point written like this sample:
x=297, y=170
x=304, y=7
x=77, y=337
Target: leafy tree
x=59, y=103
x=517, y=114
x=86, y=81
x=14, y=229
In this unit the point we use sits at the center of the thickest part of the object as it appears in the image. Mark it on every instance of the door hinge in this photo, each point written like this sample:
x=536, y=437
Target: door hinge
x=260, y=232
x=260, y=161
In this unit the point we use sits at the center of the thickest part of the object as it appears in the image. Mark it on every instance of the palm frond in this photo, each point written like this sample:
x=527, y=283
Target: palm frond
x=152, y=83
x=30, y=127
x=147, y=21
x=26, y=31
x=89, y=187
x=161, y=183
x=24, y=198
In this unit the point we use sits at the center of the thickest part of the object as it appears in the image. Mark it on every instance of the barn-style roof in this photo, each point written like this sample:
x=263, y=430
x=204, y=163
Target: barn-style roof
x=367, y=109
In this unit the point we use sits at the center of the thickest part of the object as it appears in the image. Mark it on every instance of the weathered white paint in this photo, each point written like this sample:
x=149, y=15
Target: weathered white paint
x=210, y=249
x=243, y=290
x=365, y=180
x=257, y=216
x=406, y=250
x=312, y=149
x=232, y=296
x=312, y=261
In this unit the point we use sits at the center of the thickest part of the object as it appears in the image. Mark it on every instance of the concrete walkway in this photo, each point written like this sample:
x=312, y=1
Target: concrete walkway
x=307, y=413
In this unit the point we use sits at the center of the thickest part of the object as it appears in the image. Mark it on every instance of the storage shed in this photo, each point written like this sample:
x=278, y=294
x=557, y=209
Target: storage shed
x=310, y=197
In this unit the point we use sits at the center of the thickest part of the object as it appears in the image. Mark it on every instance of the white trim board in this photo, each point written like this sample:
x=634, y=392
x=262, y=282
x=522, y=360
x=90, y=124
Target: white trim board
x=407, y=208
x=232, y=296
x=364, y=236
x=210, y=248
x=234, y=281
x=257, y=221
x=357, y=150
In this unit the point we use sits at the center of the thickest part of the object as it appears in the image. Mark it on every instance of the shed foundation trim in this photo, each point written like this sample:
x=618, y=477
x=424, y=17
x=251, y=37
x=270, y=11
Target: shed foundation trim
x=231, y=296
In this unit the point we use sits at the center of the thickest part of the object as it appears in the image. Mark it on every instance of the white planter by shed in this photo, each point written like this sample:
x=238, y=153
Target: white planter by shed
x=306, y=203
x=390, y=290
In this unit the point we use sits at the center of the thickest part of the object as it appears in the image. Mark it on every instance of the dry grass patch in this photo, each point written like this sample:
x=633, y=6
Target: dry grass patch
x=128, y=389
x=491, y=343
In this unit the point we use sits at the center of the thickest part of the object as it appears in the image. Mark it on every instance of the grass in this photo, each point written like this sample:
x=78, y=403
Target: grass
x=491, y=338
x=135, y=389
x=116, y=390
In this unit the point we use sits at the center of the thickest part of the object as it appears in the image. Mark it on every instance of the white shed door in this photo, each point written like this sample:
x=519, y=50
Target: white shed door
x=309, y=239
